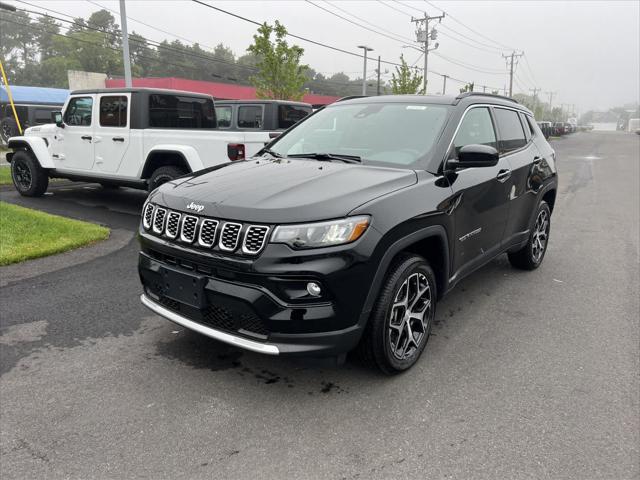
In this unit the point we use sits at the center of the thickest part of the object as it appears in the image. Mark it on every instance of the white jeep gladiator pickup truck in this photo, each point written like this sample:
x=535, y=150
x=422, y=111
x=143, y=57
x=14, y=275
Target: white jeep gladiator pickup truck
x=133, y=137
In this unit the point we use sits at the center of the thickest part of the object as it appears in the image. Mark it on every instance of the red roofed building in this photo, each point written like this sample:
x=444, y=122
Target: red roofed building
x=223, y=91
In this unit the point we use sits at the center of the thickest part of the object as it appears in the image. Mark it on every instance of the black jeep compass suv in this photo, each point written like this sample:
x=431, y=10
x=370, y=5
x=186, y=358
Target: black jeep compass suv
x=345, y=231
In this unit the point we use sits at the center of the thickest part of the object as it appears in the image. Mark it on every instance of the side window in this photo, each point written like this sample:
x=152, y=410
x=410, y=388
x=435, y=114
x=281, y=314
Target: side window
x=177, y=111
x=250, y=116
x=528, y=133
x=113, y=111
x=288, y=115
x=511, y=132
x=42, y=116
x=78, y=112
x=476, y=128
x=223, y=117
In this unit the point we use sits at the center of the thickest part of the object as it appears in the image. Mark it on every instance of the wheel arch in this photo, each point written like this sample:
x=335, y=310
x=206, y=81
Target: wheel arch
x=429, y=242
x=550, y=197
x=184, y=157
x=36, y=145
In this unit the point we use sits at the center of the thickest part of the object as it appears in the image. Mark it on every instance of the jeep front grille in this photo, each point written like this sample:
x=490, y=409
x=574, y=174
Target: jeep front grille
x=254, y=238
x=158, y=220
x=173, y=224
x=147, y=216
x=188, y=233
x=230, y=236
x=207, y=235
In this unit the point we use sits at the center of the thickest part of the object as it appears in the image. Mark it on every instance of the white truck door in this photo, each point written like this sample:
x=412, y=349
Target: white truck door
x=77, y=135
x=111, y=133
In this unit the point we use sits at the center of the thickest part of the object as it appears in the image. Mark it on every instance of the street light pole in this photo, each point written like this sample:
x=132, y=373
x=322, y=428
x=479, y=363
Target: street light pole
x=125, y=46
x=364, y=71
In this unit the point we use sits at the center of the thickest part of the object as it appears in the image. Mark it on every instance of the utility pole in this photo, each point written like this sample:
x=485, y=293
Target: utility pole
x=535, y=91
x=378, y=88
x=512, y=62
x=423, y=35
x=125, y=45
x=444, y=84
x=364, y=72
x=484, y=89
x=550, y=99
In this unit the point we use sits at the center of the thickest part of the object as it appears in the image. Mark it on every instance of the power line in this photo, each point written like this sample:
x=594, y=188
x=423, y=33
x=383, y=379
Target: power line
x=469, y=66
x=502, y=45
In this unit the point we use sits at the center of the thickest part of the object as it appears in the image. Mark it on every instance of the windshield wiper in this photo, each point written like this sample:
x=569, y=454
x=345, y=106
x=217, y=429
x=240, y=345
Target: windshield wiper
x=329, y=156
x=272, y=153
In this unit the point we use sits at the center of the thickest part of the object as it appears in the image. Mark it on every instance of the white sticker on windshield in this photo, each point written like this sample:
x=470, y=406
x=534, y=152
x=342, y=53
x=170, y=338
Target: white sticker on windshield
x=416, y=107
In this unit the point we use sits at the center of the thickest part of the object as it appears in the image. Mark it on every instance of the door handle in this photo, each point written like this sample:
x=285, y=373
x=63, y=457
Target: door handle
x=118, y=139
x=537, y=160
x=86, y=137
x=503, y=175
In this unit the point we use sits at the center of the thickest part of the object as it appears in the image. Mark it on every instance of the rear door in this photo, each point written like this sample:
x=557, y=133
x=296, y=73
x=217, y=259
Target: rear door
x=112, y=129
x=77, y=135
x=525, y=160
x=483, y=208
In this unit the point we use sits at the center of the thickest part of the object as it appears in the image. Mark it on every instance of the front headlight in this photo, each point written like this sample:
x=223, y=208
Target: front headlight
x=321, y=234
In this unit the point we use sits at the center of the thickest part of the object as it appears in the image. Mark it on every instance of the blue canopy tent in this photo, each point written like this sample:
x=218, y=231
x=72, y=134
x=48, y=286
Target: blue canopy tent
x=34, y=95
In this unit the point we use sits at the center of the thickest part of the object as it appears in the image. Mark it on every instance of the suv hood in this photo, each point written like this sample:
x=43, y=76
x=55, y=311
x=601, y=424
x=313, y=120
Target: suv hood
x=283, y=190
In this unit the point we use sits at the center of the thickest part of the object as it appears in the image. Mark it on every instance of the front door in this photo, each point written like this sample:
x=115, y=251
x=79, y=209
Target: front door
x=112, y=131
x=483, y=196
x=77, y=135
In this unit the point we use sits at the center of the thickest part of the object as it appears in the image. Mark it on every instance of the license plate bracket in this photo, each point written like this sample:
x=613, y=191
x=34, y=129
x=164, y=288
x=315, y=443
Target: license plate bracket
x=184, y=287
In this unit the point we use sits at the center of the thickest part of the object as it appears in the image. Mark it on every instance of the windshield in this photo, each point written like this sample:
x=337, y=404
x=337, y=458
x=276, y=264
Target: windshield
x=388, y=134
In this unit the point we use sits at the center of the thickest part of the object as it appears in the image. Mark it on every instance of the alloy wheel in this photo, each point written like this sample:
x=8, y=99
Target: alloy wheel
x=410, y=316
x=540, y=236
x=22, y=175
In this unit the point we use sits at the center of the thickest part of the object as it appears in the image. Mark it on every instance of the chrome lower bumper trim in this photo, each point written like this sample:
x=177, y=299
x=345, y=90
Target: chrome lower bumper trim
x=208, y=331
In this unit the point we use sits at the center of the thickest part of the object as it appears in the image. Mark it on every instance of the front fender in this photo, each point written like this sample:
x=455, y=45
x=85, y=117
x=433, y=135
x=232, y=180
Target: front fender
x=37, y=146
x=188, y=153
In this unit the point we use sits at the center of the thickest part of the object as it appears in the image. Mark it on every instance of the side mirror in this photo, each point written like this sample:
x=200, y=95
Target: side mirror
x=56, y=117
x=475, y=156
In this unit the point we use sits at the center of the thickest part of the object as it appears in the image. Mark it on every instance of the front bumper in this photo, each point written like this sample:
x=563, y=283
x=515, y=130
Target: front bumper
x=256, y=306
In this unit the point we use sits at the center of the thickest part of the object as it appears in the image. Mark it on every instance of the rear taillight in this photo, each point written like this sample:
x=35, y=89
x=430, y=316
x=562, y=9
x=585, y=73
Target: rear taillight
x=235, y=151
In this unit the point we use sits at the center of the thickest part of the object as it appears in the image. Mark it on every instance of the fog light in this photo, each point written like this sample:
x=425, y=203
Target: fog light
x=314, y=289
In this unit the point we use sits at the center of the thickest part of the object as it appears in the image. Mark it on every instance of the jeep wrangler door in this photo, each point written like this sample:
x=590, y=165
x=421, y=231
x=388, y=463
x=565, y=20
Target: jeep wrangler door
x=77, y=135
x=481, y=216
x=112, y=136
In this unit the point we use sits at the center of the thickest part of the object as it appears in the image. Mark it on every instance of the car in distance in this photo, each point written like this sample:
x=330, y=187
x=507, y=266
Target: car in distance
x=135, y=137
x=347, y=229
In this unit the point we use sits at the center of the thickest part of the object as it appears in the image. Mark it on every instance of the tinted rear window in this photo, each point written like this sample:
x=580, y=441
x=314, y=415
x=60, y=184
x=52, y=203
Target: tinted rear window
x=177, y=111
x=289, y=115
x=511, y=133
x=250, y=116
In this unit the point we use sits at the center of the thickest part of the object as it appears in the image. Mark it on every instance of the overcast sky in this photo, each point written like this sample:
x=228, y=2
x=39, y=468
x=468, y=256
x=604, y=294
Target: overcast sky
x=586, y=52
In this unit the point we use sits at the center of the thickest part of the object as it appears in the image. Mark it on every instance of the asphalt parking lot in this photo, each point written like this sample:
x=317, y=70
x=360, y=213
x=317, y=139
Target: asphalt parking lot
x=526, y=375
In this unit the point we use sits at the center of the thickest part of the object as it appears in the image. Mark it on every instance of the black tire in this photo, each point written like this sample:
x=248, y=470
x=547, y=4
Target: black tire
x=163, y=175
x=8, y=129
x=531, y=255
x=376, y=348
x=29, y=178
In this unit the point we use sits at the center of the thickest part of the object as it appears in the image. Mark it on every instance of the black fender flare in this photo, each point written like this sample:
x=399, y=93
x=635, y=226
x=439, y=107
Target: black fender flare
x=398, y=246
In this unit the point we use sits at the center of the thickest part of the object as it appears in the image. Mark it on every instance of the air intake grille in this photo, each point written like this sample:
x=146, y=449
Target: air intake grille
x=173, y=222
x=208, y=232
x=158, y=220
x=188, y=233
x=205, y=233
x=230, y=236
x=147, y=216
x=254, y=238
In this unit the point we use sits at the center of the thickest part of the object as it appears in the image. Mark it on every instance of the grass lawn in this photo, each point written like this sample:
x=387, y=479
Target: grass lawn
x=26, y=234
x=5, y=175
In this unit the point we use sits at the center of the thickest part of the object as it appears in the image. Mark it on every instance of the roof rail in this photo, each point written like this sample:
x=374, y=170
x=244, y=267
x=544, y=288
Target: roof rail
x=350, y=97
x=483, y=94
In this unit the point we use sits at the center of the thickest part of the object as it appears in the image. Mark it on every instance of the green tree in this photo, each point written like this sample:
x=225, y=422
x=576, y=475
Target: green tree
x=405, y=80
x=467, y=88
x=280, y=74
